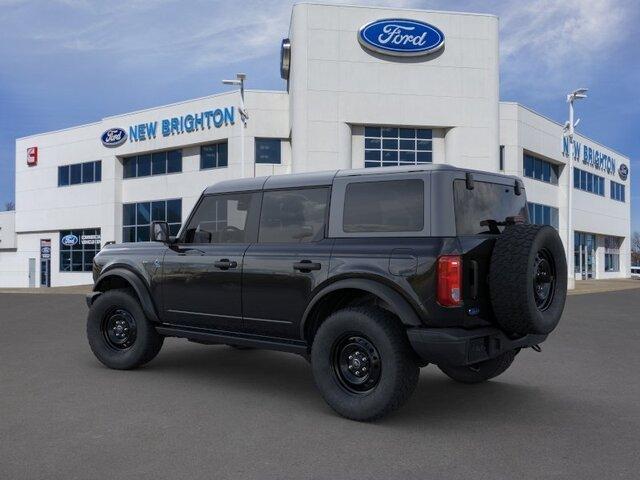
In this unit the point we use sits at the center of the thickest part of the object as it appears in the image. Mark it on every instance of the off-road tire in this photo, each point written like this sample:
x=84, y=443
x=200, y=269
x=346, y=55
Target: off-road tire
x=144, y=347
x=512, y=279
x=480, y=372
x=398, y=371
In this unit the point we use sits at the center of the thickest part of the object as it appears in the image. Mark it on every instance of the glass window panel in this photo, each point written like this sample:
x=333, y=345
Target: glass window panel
x=63, y=176
x=144, y=165
x=547, y=215
x=390, y=132
x=129, y=167
x=530, y=208
x=129, y=214
x=485, y=201
x=388, y=206
x=423, y=144
x=142, y=234
x=98, y=171
x=158, y=211
x=76, y=173
x=423, y=157
x=407, y=133
x=407, y=144
x=87, y=172
x=293, y=216
x=528, y=166
x=65, y=261
x=389, y=155
x=222, y=155
x=546, y=171
x=159, y=163
x=371, y=143
x=174, y=229
x=390, y=144
x=590, y=182
x=268, y=150
x=143, y=213
x=424, y=133
x=576, y=178
x=129, y=234
x=407, y=157
x=207, y=156
x=76, y=260
x=174, y=161
x=539, y=213
x=371, y=131
x=88, y=260
x=371, y=164
x=372, y=154
x=222, y=219
x=174, y=211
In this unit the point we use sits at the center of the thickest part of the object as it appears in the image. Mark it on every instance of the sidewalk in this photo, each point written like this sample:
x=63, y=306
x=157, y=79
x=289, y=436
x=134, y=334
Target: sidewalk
x=73, y=290
x=597, y=286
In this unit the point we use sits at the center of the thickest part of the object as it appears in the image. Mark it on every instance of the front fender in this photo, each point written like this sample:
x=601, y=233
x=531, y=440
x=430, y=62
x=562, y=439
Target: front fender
x=134, y=281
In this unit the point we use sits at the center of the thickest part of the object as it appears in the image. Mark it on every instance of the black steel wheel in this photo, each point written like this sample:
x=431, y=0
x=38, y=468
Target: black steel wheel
x=544, y=279
x=362, y=363
x=356, y=363
x=119, y=333
x=119, y=328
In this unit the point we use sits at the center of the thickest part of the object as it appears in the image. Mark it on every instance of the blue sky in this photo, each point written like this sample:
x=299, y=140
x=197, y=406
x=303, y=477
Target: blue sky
x=68, y=62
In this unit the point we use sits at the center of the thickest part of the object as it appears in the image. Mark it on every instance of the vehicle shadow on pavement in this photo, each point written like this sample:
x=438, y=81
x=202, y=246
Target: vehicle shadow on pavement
x=437, y=403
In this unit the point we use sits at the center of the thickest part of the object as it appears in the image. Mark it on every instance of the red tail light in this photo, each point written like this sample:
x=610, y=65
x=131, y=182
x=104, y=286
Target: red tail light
x=449, y=280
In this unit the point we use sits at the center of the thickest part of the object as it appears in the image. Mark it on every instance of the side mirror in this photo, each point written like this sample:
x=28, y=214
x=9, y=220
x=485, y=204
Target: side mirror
x=160, y=232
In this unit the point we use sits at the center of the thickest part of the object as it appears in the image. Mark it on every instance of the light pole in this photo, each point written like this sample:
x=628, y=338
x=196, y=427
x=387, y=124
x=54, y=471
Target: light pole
x=578, y=94
x=244, y=116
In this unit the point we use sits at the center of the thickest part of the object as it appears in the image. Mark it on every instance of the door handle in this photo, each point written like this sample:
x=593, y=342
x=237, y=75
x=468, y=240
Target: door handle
x=305, y=266
x=225, y=264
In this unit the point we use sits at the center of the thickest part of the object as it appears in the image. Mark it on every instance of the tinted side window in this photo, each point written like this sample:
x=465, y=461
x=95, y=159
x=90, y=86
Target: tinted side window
x=387, y=206
x=293, y=216
x=487, y=201
x=227, y=218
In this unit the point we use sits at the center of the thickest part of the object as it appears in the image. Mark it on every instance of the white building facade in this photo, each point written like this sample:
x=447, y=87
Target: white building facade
x=349, y=103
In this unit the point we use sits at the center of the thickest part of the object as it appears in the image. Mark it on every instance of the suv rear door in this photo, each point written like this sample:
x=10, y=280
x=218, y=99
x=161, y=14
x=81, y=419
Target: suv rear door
x=202, y=272
x=289, y=260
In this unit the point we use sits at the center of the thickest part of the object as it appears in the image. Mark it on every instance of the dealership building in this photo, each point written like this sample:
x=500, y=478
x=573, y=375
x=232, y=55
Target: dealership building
x=362, y=87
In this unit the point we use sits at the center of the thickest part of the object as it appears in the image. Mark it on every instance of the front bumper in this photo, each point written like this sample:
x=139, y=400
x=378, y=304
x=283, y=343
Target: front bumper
x=458, y=346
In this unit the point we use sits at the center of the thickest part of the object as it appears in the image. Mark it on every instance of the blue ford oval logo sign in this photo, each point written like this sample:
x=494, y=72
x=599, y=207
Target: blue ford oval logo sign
x=401, y=37
x=113, y=137
x=623, y=171
x=69, y=240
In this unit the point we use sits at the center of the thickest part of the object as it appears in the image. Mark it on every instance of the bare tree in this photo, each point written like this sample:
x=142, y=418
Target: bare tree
x=635, y=248
x=10, y=206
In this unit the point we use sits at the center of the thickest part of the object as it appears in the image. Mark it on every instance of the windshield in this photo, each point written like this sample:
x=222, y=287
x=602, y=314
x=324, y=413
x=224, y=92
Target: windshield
x=487, y=203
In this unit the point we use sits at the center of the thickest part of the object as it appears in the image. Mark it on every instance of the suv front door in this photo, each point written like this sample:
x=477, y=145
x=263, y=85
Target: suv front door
x=202, y=271
x=290, y=259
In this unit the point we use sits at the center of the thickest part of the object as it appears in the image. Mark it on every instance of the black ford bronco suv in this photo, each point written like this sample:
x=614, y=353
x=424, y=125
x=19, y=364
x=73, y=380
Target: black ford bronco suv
x=369, y=274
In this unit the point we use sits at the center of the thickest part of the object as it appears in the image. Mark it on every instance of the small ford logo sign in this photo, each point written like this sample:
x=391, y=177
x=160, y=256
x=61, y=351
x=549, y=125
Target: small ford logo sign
x=69, y=240
x=401, y=37
x=113, y=137
x=623, y=171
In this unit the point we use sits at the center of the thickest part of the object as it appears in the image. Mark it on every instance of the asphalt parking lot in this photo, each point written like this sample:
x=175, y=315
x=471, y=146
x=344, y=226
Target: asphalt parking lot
x=213, y=412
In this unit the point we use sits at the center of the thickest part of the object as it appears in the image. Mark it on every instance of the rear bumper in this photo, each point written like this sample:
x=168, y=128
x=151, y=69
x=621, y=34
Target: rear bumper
x=457, y=346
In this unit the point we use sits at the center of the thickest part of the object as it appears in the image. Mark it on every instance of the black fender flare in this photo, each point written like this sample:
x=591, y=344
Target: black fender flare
x=136, y=283
x=397, y=302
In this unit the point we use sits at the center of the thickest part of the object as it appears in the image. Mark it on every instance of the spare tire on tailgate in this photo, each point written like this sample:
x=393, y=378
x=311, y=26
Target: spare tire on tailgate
x=528, y=279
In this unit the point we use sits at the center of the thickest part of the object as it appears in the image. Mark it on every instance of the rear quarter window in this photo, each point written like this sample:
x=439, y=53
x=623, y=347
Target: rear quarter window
x=384, y=206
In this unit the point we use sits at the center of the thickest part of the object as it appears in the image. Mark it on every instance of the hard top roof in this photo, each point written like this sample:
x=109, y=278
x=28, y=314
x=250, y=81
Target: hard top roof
x=322, y=178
